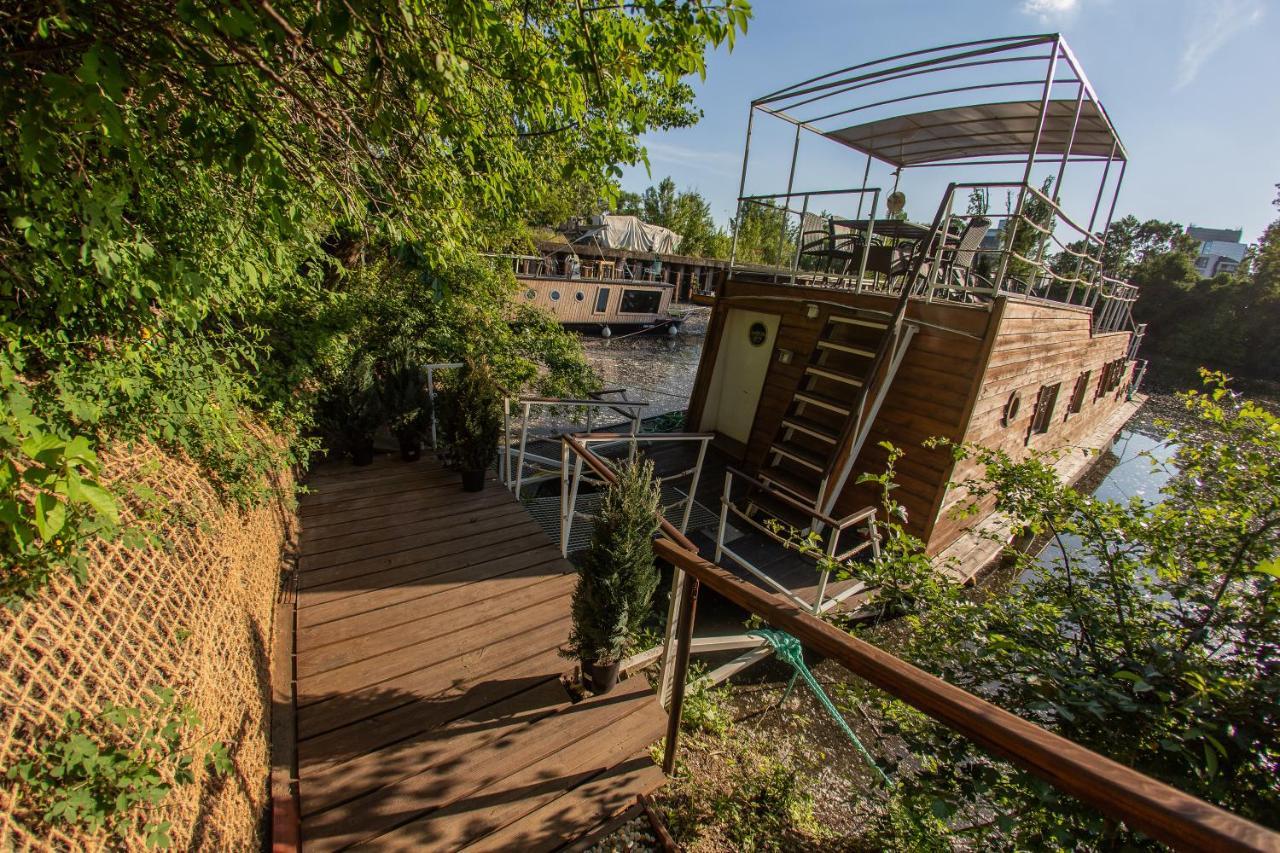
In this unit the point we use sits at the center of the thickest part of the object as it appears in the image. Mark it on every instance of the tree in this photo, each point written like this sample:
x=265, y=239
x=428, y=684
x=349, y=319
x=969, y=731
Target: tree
x=687, y=213
x=765, y=234
x=191, y=191
x=1151, y=634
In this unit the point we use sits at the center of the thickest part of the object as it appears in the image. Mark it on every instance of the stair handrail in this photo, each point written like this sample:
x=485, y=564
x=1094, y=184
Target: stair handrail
x=1155, y=808
x=826, y=494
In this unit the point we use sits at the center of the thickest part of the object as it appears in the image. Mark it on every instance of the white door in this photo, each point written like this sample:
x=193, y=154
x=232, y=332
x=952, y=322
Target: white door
x=746, y=348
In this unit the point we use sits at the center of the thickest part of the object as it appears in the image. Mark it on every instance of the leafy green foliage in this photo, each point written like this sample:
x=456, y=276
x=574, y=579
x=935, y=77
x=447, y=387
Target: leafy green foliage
x=192, y=191
x=760, y=803
x=617, y=576
x=1151, y=635
x=706, y=707
x=94, y=774
x=471, y=413
x=765, y=234
x=405, y=397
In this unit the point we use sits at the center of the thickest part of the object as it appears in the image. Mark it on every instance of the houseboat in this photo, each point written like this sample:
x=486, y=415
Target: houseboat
x=885, y=331
x=611, y=272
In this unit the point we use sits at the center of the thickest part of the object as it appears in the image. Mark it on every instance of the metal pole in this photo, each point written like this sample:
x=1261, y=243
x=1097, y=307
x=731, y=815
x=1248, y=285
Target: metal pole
x=573, y=498
x=724, y=516
x=524, y=434
x=742, y=186
x=564, y=499
x=866, y=240
x=866, y=174
x=684, y=636
x=791, y=179
x=1115, y=196
x=1031, y=161
x=795, y=261
x=693, y=486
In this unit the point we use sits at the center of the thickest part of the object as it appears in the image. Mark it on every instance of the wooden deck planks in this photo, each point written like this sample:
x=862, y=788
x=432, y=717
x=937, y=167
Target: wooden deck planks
x=430, y=712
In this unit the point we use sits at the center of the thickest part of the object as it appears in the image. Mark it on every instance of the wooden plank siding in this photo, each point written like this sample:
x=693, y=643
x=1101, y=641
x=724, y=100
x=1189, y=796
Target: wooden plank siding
x=957, y=375
x=1035, y=345
x=429, y=707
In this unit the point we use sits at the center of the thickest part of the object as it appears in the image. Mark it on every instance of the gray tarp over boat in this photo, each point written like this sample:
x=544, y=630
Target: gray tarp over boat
x=631, y=234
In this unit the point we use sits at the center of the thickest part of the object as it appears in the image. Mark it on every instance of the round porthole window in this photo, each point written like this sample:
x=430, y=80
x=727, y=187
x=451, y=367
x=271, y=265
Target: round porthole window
x=757, y=333
x=1011, y=408
x=555, y=296
x=529, y=294
x=580, y=296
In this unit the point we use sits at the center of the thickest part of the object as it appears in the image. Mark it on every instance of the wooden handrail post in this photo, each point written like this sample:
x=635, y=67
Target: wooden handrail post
x=680, y=664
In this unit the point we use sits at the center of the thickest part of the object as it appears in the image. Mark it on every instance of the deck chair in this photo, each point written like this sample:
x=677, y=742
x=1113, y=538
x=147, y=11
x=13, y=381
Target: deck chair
x=959, y=259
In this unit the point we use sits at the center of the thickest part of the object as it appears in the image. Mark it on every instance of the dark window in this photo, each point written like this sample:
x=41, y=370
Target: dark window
x=640, y=301
x=530, y=293
x=555, y=296
x=602, y=300
x=580, y=296
x=1044, y=408
x=1077, y=396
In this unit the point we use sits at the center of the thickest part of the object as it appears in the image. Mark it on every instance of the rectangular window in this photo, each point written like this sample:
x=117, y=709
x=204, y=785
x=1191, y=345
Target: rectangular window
x=602, y=300
x=1077, y=396
x=1044, y=408
x=640, y=302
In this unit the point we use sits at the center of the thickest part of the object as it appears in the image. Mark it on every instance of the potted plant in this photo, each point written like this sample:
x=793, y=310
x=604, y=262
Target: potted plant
x=473, y=423
x=406, y=398
x=616, y=576
x=352, y=409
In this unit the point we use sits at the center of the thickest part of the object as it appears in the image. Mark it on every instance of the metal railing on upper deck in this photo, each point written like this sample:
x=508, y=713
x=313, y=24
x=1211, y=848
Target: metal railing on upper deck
x=1120, y=792
x=1056, y=259
x=618, y=270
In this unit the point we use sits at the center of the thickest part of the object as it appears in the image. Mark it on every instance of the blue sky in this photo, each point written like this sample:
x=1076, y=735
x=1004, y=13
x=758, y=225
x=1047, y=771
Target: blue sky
x=1193, y=87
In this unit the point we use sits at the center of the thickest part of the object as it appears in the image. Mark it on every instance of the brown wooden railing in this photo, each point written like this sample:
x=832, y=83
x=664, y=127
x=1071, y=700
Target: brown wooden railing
x=1144, y=804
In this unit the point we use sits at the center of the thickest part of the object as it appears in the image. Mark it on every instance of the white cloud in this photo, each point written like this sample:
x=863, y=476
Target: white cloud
x=1212, y=26
x=719, y=162
x=1049, y=9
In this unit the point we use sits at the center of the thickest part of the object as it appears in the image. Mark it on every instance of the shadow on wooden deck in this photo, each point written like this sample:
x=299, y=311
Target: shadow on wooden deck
x=429, y=707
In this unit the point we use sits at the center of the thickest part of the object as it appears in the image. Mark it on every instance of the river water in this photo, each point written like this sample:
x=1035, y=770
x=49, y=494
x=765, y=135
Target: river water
x=660, y=370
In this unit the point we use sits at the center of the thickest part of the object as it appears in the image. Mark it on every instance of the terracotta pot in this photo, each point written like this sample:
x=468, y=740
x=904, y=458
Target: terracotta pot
x=410, y=448
x=473, y=481
x=362, y=453
x=604, y=676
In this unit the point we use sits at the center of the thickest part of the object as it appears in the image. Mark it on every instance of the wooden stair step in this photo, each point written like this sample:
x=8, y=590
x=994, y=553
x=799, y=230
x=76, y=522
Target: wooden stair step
x=797, y=486
x=805, y=457
x=837, y=346
x=834, y=375
x=811, y=427
x=825, y=401
x=857, y=321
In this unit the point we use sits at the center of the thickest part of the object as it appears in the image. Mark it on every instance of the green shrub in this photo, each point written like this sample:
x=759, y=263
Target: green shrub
x=472, y=414
x=105, y=772
x=617, y=575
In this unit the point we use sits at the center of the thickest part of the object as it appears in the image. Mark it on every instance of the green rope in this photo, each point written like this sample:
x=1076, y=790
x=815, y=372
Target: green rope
x=788, y=648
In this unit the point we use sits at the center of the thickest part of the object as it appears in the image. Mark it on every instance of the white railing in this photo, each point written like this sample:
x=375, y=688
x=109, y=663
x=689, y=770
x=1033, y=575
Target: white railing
x=575, y=449
x=513, y=474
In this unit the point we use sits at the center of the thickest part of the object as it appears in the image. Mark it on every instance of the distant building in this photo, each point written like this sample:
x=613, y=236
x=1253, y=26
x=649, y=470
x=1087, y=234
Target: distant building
x=1220, y=249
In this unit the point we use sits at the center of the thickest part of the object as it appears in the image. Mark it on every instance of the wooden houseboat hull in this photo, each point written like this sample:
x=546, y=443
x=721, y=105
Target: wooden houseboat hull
x=602, y=305
x=959, y=372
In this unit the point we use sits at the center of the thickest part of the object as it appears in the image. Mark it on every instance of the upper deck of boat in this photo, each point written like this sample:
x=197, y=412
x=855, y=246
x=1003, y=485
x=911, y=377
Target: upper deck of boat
x=430, y=710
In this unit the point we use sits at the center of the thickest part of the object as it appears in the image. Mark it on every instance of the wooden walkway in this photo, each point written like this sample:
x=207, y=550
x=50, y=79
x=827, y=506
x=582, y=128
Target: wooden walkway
x=429, y=708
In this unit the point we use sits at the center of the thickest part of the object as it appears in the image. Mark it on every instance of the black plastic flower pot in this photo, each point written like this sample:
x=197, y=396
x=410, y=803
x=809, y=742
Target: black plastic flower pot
x=473, y=481
x=362, y=453
x=604, y=676
x=410, y=448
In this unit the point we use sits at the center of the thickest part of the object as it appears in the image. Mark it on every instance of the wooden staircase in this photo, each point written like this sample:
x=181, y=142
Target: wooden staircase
x=832, y=393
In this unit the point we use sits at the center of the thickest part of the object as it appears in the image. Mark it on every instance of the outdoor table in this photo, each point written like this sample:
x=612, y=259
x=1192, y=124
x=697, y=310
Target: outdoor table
x=898, y=229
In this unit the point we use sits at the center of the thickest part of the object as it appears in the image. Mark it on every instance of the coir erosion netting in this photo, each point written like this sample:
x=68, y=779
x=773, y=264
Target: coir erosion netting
x=192, y=613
